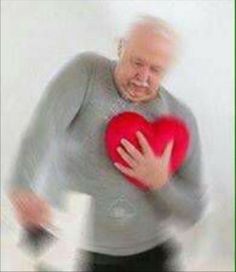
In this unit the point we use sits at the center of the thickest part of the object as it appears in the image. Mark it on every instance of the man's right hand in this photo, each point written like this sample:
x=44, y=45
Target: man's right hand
x=31, y=209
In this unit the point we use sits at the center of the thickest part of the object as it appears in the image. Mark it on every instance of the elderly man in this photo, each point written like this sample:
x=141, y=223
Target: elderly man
x=66, y=138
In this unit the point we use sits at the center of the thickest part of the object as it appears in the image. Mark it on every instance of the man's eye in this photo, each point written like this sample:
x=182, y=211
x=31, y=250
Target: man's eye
x=155, y=70
x=137, y=63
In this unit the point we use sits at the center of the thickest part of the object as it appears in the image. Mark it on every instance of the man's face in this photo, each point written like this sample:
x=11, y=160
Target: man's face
x=143, y=62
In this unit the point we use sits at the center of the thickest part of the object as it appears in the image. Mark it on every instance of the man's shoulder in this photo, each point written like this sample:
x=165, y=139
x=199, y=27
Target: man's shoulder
x=81, y=66
x=90, y=58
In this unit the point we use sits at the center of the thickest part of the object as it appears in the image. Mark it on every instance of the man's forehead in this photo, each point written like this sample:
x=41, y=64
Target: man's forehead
x=154, y=54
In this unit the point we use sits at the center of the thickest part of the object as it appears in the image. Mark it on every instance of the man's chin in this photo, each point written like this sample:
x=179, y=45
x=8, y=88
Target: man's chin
x=130, y=96
x=136, y=96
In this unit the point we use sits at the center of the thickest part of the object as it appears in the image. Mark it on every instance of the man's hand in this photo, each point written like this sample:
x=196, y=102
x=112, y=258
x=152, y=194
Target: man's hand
x=31, y=210
x=145, y=166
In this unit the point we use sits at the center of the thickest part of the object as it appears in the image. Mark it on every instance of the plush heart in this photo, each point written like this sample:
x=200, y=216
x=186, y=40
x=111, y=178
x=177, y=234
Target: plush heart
x=158, y=133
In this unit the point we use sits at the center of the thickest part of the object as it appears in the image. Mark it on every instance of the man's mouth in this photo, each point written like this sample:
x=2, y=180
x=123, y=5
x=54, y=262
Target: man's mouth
x=137, y=83
x=138, y=87
x=137, y=90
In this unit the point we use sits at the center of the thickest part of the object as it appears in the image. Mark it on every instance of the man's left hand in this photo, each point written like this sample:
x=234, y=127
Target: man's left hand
x=145, y=166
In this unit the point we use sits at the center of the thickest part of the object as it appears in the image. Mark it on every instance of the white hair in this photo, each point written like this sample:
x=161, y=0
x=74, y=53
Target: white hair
x=155, y=24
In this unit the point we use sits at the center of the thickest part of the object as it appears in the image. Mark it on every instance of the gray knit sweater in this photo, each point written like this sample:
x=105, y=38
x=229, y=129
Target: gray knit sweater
x=63, y=149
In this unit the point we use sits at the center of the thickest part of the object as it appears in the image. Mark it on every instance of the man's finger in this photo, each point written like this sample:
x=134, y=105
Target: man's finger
x=167, y=152
x=125, y=170
x=132, y=150
x=126, y=157
x=143, y=143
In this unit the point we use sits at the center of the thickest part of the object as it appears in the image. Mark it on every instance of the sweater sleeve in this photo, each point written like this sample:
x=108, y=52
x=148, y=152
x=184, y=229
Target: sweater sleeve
x=183, y=198
x=61, y=101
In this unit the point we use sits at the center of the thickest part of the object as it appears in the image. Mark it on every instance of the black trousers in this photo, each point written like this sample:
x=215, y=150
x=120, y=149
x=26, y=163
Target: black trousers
x=162, y=258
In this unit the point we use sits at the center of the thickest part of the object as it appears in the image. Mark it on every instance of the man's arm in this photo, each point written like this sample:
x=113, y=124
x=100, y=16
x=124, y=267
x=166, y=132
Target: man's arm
x=184, y=194
x=180, y=196
x=61, y=101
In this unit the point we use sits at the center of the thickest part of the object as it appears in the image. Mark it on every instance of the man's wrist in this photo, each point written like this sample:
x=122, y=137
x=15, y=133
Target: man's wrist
x=158, y=184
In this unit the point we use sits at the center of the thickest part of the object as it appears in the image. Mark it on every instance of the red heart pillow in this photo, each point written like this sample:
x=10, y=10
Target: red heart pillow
x=158, y=134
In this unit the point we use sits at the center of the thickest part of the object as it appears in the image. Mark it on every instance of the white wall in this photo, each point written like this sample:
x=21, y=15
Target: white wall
x=39, y=36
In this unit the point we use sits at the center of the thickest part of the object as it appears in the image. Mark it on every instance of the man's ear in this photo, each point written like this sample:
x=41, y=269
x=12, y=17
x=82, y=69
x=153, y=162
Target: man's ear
x=120, y=48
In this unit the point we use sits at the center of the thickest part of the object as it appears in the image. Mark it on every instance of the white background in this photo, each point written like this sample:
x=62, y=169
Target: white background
x=38, y=37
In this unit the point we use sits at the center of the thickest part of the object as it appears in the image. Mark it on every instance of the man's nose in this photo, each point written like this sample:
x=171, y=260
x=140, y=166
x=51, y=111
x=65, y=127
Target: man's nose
x=143, y=74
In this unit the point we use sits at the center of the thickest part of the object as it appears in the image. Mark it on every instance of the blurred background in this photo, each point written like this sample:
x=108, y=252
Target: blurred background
x=38, y=37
